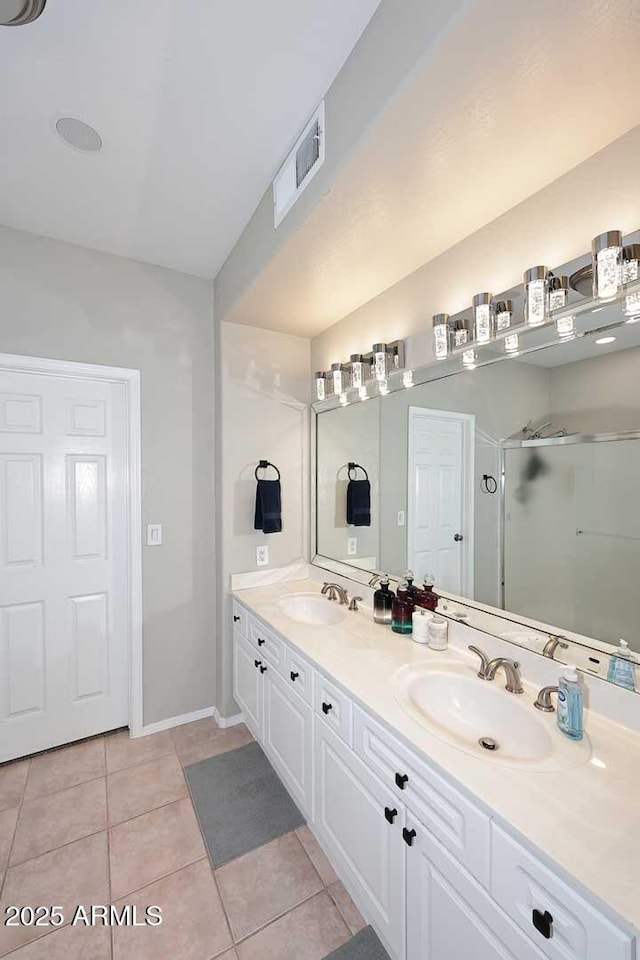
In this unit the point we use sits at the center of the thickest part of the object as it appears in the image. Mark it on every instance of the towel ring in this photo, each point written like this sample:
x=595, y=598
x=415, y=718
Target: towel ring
x=352, y=467
x=488, y=483
x=263, y=464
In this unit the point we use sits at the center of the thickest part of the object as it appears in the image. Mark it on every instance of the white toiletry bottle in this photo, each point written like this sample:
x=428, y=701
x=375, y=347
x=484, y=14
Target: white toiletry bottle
x=421, y=619
x=622, y=669
x=438, y=634
x=570, y=707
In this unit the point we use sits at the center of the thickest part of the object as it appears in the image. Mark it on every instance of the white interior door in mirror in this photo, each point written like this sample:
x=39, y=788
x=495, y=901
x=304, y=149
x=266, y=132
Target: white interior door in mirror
x=440, y=497
x=63, y=561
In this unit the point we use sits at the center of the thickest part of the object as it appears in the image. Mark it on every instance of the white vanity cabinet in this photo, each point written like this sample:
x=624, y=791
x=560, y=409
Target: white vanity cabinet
x=359, y=822
x=435, y=875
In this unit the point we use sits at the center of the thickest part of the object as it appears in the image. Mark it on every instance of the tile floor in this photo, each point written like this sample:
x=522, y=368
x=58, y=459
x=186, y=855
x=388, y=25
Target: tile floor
x=111, y=821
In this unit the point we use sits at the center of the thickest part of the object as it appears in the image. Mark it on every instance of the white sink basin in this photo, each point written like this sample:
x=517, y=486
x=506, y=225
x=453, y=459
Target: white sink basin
x=311, y=608
x=452, y=702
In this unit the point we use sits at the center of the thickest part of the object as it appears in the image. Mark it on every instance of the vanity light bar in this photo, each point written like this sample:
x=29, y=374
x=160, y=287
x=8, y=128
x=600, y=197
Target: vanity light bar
x=384, y=360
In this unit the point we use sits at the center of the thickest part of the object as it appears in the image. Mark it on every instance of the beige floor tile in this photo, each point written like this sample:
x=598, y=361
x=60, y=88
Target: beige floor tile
x=125, y=751
x=69, y=943
x=66, y=767
x=317, y=855
x=71, y=875
x=350, y=913
x=228, y=955
x=309, y=932
x=193, y=926
x=51, y=821
x=8, y=820
x=145, y=787
x=203, y=739
x=13, y=777
x=151, y=846
x=265, y=883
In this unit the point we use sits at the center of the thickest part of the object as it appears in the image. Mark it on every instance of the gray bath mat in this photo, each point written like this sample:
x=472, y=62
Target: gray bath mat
x=364, y=946
x=240, y=802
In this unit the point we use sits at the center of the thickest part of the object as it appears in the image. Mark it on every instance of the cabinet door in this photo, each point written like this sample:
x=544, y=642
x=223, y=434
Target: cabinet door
x=288, y=738
x=248, y=684
x=449, y=915
x=360, y=823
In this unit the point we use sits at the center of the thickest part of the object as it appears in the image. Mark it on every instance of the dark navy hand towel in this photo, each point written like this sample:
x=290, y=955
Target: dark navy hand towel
x=359, y=503
x=268, y=516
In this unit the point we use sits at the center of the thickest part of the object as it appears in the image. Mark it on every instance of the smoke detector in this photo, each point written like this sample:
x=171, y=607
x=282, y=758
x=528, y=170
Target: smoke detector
x=78, y=134
x=15, y=13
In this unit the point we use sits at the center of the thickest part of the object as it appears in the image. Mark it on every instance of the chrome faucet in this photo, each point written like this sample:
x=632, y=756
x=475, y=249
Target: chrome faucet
x=353, y=603
x=333, y=591
x=552, y=645
x=375, y=579
x=543, y=700
x=489, y=668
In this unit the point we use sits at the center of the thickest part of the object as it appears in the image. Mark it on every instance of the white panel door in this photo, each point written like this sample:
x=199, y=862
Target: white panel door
x=439, y=528
x=63, y=561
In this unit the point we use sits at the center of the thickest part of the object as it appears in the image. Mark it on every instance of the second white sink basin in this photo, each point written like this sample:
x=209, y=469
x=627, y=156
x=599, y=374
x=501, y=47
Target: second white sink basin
x=311, y=608
x=478, y=715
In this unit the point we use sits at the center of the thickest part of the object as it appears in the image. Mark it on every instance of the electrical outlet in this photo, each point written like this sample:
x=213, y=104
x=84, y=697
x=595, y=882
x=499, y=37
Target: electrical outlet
x=352, y=546
x=401, y=518
x=262, y=556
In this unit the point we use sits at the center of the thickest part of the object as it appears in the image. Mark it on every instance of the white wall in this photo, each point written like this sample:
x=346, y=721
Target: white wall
x=62, y=301
x=264, y=415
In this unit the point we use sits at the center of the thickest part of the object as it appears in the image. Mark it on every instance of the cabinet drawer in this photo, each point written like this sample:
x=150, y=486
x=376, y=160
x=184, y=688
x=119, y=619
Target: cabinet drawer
x=299, y=674
x=268, y=644
x=576, y=930
x=239, y=617
x=456, y=822
x=333, y=706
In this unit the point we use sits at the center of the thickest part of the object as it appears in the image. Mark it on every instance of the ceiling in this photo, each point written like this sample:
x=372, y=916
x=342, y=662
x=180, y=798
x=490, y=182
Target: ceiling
x=197, y=102
x=514, y=96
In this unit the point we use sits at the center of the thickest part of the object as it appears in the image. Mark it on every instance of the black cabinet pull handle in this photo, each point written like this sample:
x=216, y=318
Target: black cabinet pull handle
x=294, y=676
x=390, y=815
x=407, y=836
x=543, y=922
x=257, y=662
x=235, y=618
x=260, y=641
x=326, y=707
x=401, y=780
x=263, y=669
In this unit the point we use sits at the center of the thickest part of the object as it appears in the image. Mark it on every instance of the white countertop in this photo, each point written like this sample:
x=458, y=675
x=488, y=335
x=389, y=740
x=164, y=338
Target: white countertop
x=585, y=819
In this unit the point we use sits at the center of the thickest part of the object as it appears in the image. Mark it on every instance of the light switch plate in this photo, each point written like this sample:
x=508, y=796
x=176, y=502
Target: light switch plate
x=154, y=534
x=352, y=546
x=401, y=518
x=262, y=556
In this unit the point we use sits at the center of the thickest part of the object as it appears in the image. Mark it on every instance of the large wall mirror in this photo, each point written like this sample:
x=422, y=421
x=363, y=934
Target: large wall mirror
x=515, y=484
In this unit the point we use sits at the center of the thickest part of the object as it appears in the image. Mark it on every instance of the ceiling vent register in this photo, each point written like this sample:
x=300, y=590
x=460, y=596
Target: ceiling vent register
x=300, y=167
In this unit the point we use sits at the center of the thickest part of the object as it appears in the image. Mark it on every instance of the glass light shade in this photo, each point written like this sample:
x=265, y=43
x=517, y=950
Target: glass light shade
x=606, y=250
x=328, y=384
x=483, y=328
x=536, y=301
x=504, y=315
x=631, y=272
x=344, y=400
x=558, y=292
x=512, y=344
x=566, y=328
x=469, y=358
x=357, y=370
x=383, y=388
x=341, y=377
x=320, y=385
x=380, y=362
x=407, y=379
x=461, y=332
x=441, y=336
x=362, y=393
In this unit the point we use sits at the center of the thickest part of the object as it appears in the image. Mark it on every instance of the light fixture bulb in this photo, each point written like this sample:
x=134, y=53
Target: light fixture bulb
x=407, y=379
x=606, y=251
x=536, y=301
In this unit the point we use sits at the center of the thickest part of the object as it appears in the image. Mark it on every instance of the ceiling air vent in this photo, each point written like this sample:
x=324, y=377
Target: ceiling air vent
x=300, y=167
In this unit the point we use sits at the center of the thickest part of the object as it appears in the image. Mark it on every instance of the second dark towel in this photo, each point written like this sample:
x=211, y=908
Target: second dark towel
x=359, y=503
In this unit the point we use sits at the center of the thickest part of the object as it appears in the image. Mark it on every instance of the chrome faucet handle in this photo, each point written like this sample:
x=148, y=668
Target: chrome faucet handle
x=552, y=645
x=543, y=700
x=353, y=603
x=512, y=673
x=484, y=662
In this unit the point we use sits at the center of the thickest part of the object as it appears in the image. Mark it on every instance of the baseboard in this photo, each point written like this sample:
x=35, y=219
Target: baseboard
x=178, y=721
x=227, y=721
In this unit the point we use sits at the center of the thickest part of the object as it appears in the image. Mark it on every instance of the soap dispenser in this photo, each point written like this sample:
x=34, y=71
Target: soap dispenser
x=570, y=706
x=383, y=601
x=426, y=597
x=622, y=669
